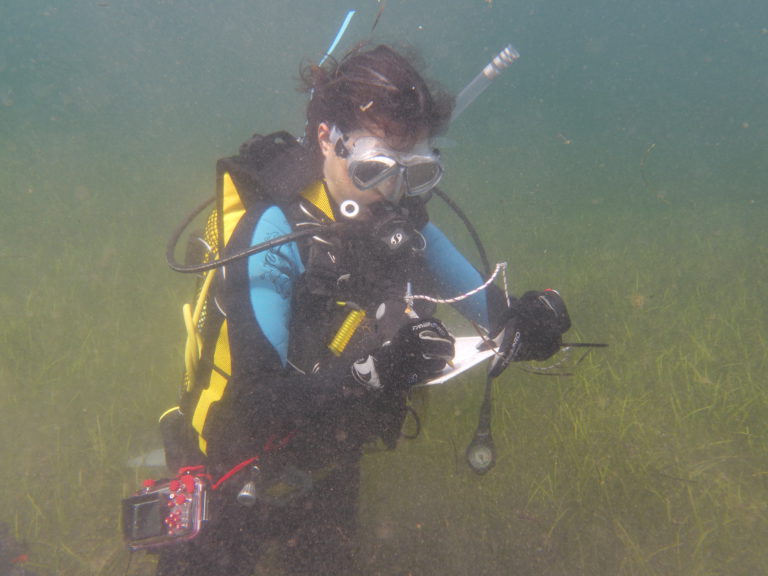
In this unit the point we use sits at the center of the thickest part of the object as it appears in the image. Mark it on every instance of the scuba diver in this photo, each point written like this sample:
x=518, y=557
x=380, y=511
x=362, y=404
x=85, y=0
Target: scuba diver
x=307, y=337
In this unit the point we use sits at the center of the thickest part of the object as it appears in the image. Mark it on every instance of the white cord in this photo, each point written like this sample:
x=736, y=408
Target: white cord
x=501, y=267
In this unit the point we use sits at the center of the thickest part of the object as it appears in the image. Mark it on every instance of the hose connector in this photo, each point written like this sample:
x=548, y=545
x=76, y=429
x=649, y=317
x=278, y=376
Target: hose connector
x=501, y=62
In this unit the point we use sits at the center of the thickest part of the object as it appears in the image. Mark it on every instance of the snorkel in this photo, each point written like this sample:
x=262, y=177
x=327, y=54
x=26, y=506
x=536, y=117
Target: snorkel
x=479, y=83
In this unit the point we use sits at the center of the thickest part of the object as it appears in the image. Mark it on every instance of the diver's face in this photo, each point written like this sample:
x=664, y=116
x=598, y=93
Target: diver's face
x=337, y=177
x=335, y=170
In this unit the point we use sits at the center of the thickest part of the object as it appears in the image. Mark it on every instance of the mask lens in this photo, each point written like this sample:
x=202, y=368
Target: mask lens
x=368, y=173
x=422, y=177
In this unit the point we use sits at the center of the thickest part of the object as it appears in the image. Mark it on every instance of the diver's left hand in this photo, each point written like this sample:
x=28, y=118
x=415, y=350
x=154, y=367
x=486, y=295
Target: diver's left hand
x=533, y=329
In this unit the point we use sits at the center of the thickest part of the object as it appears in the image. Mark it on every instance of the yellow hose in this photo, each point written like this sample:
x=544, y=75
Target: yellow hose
x=346, y=331
x=194, y=345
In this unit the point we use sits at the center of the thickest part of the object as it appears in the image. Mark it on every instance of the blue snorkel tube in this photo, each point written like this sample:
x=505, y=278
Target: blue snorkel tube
x=331, y=48
x=339, y=34
x=493, y=70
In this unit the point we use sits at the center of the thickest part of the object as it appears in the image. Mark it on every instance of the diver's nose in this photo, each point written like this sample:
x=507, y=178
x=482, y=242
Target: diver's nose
x=393, y=188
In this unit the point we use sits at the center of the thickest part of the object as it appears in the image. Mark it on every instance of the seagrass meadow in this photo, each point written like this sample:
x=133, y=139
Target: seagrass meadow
x=622, y=160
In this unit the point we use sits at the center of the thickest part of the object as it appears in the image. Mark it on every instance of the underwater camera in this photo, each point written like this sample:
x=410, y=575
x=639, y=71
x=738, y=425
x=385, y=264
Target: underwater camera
x=165, y=512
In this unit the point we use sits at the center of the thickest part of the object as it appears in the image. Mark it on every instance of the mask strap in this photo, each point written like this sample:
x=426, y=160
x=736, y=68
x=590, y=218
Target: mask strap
x=337, y=138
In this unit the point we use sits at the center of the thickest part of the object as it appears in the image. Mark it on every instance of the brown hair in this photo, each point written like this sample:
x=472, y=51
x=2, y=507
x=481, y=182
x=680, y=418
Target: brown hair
x=376, y=89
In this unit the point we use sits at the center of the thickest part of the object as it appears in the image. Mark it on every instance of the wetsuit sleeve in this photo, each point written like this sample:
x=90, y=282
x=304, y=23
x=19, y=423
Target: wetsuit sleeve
x=272, y=274
x=454, y=275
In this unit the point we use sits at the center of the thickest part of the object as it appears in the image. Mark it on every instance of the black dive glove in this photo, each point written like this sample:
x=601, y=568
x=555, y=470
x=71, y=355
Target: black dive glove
x=533, y=329
x=420, y=350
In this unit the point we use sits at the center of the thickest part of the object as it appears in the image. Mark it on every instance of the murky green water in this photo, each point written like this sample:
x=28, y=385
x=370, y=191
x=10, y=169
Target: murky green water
x=623, y=160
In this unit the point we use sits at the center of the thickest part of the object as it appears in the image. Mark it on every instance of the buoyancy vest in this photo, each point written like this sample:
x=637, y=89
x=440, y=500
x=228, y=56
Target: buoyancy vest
x=347, y=277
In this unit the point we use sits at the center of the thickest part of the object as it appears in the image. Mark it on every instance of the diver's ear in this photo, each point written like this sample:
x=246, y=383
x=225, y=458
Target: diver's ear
x=324, y=138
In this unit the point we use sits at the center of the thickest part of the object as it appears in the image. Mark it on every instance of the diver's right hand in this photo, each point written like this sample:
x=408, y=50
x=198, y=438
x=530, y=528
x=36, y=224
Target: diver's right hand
x=532, y=330
x=420, y=350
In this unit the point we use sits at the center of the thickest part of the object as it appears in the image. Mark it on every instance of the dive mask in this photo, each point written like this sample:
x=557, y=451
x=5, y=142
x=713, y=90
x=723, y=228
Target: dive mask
x=371, y=164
